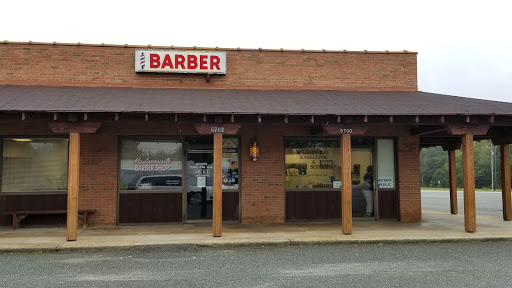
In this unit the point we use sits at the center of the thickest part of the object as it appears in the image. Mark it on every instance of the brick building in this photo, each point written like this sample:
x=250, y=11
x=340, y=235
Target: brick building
x=226, y=134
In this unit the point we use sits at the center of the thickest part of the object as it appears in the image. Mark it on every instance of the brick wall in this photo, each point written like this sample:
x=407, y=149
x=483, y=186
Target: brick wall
x=409, y=190
x=263, y=197
x=73, y=65
x=262, y=182
x=98, y=177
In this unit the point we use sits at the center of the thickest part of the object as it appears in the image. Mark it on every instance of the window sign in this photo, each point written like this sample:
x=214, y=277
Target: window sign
x=316, y=163
x=386, y=183
x=386, y=163
x=312, y=163
x=201, y=181
x=150, y=164
x=230, y=163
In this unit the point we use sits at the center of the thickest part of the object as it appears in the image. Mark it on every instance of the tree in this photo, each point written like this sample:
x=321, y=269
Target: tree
x=434, y=166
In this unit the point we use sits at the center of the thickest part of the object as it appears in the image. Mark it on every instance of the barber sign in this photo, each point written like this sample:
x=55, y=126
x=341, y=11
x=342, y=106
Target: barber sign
x=202, y=62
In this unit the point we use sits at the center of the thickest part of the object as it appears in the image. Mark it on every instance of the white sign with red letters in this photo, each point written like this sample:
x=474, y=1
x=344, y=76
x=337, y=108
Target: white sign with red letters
x=171, y=61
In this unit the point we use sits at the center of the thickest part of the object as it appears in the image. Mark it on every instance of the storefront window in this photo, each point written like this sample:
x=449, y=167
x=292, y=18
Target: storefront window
x=230, y=163
x=312, y=163
x=151, y=164
x=386, y=163
x=34, y=164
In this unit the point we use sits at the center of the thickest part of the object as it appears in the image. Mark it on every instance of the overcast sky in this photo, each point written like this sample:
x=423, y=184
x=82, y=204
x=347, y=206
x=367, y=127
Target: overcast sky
x=465, y=47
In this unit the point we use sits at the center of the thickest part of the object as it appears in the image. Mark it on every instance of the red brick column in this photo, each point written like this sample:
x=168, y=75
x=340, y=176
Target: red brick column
x=409, y=184
x=262, y=188
x=98, y=177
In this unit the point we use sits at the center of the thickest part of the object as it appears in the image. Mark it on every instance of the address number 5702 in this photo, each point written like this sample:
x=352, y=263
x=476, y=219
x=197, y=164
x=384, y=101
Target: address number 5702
x=217, y=129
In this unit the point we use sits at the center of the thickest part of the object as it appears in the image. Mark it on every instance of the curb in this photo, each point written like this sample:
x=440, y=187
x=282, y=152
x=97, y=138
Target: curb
x=280, y=243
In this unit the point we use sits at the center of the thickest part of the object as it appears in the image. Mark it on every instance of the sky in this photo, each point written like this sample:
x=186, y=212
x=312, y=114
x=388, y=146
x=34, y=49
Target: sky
x=464, y=47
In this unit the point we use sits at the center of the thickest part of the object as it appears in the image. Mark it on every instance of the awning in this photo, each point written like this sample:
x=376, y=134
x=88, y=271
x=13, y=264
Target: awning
x=237, y=101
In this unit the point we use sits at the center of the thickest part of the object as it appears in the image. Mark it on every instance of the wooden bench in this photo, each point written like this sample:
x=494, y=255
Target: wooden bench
x=17, y=216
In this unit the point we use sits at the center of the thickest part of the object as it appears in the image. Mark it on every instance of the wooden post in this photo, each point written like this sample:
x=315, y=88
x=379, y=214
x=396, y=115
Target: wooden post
x=217, y=185
x=346, y=185
x=468, y=170
x=453, y=182
x=505, y=182
x=73, y=185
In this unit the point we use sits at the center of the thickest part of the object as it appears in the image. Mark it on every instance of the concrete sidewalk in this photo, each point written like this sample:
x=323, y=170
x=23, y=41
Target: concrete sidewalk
x=435, y=227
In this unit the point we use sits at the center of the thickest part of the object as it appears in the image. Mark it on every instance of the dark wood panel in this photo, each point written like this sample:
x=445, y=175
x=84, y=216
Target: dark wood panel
x=31, y=203
x=321, y=205
x=387, y=204
x=150, y=208
x=230, y=206
x=313, y=205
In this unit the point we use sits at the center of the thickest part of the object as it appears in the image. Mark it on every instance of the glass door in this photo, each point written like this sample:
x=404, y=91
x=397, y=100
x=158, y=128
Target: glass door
x=199, y=185
x=363, y=192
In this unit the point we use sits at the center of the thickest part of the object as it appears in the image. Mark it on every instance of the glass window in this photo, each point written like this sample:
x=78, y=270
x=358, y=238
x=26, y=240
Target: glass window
x=34, y=164
x=386, y=163
x=230, y=163
x=151, y=164
x=312, y=163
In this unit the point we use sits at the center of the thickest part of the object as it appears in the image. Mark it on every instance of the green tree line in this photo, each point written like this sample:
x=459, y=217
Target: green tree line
x=434, y=166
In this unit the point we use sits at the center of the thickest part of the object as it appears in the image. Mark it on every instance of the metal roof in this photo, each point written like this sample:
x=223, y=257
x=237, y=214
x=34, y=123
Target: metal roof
x=237, y=101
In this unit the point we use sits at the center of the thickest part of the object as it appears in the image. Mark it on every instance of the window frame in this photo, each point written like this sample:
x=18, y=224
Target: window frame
x=47, y=192
x=286, y=138
x=179, y=140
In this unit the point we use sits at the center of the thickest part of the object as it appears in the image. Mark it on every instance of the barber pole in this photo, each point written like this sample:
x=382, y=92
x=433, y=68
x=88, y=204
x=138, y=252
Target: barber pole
x=142, y=60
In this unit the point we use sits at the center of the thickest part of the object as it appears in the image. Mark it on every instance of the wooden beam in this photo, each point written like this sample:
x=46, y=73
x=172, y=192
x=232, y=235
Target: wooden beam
x=336, y=129
x=72, y=117
x=468, y=175
x=146, y=117
x=505, y=182
x=451, y=146
x=312, y=119
x=85, y=116
x=454, y=128
x=441, y=141
x=116, y=117
x=346, y=185
x=232, y=118
x=218, y=119
x=217, y=185
x=350, y=119
x=79, y=127
x=482, y=119
x=224, y=128
x=286, y=119
x=453, y=182
x=73, y=186
x=426, y=131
